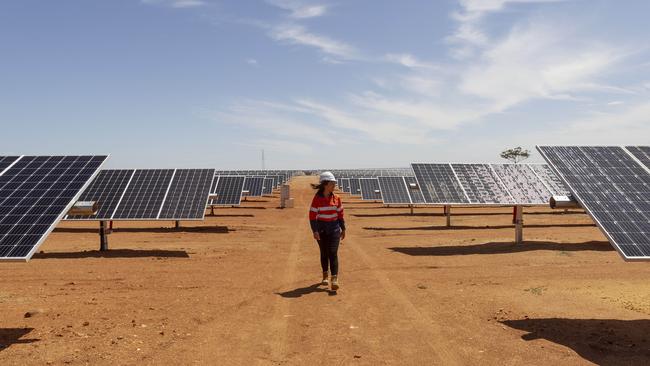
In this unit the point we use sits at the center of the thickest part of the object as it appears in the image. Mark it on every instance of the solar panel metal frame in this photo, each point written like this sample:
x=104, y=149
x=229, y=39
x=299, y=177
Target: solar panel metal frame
x=61, y=214
x=578, y=196
x=202, y=190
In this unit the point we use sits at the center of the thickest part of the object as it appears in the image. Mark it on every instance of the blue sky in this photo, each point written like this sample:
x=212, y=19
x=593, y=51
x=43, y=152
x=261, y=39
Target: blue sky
x=341, y=84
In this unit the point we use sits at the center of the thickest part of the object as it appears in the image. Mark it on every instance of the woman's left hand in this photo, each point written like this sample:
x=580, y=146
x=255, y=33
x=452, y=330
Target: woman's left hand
x=342, y=234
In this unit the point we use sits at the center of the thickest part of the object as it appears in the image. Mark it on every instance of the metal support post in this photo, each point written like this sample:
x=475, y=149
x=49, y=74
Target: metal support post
x=519, y=224
x=448, y=214
x=103, y=236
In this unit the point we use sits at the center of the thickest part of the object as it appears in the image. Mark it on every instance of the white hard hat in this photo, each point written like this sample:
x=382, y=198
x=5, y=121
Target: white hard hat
x=327, y=177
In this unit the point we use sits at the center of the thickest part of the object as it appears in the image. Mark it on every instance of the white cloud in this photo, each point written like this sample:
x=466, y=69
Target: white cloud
x=252, y=61
x=297, y=34
x=537, y=61
x=300, y=9
x=407, y=60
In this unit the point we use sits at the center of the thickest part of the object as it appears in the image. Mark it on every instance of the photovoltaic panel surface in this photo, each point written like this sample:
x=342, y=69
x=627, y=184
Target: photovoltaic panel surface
x=550, y=179
x=370, y=189
x=481, y=184
x=642, y=153
x=344, y=183
x=414, y=190
x=106, y=189
x=35, y=194
x=254, y=186
x=523, y=184
x=438, y=183
x=394, y=190
x=145, y=195
x=187, y=195
x=268, y=187
x=228, y=190
x=6, y=161
x=355, y=187
x=613, y=188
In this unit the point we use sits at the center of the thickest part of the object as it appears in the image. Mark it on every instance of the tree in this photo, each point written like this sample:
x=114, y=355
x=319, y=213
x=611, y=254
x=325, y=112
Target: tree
x=515, y=155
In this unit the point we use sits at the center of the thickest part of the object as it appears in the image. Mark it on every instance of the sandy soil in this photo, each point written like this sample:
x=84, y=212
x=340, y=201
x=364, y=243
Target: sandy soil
x=241, y=288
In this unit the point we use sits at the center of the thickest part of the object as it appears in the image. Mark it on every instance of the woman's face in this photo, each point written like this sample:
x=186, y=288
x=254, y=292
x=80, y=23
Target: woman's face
x=329, y=187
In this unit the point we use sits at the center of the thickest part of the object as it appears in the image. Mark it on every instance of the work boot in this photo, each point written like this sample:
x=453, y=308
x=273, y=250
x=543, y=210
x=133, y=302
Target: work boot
x=335, y=283
x=325, y=281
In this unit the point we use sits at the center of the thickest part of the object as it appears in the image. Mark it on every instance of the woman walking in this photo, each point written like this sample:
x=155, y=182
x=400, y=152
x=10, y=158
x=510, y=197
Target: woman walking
x=328, y=226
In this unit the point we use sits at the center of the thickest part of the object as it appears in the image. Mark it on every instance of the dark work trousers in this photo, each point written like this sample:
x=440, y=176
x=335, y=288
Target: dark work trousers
x=329, y=247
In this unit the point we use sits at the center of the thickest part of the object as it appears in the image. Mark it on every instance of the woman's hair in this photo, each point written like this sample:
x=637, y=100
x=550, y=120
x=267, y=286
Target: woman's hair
x=320, y=186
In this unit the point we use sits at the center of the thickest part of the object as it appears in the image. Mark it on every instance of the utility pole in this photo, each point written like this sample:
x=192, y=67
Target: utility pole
x=263, y=162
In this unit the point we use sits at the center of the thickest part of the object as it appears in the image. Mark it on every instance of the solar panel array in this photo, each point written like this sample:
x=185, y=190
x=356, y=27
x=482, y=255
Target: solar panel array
x=35, y=193
x=149, y=194
x=367, y=173
x=228, y=189
x=487, y=184
x=641, y=153
x=370, y=189
x=6, y=161
x=414, y=190
x=612, y=184
x=267, y=189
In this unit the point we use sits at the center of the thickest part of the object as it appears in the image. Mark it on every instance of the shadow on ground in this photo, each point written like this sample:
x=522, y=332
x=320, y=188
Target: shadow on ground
x=503, y=248
x=601, y=341
x=464, y=227
x=9, y=336
x=298, y=292
x=182, y=229
x=113, y=253
x=407, y=214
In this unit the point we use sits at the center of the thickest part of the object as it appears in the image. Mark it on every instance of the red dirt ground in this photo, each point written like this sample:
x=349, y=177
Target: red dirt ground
x=241, y=288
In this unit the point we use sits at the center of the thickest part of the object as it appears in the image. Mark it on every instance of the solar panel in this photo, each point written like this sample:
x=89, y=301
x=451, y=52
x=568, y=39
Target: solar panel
x=481, y=184
x=187, y=195
x=228, y=189
x=523, y=184
x=550, y=179
x=267, y=189
x=106, y=189
x=642, y=153
x=370, y=189
x=438, y=183
x=6, y=161
x=254, y=186
x=613, y=187
x=355, y=187
x=394, y=190
x=35, y=194
x=414, y=190
x=143, y=198
x=344, y=183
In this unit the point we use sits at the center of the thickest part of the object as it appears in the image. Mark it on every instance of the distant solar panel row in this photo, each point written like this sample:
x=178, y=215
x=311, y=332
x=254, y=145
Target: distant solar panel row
x=370, y=189
x=612, y=184
x=149, y=194
x=487, y=184
x=35, y=193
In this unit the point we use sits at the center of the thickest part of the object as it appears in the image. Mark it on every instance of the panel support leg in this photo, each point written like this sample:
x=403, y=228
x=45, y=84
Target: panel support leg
x=448, y=214
x=519, y=224
x=177, y=224
x=411, y=207
x=514, y=214
x=212, y=210
x=103, y=236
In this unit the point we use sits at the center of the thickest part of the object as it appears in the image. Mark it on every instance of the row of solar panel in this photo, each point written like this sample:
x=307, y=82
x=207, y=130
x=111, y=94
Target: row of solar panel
x=487, y=184
x=149, y=194
x=612, y=184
